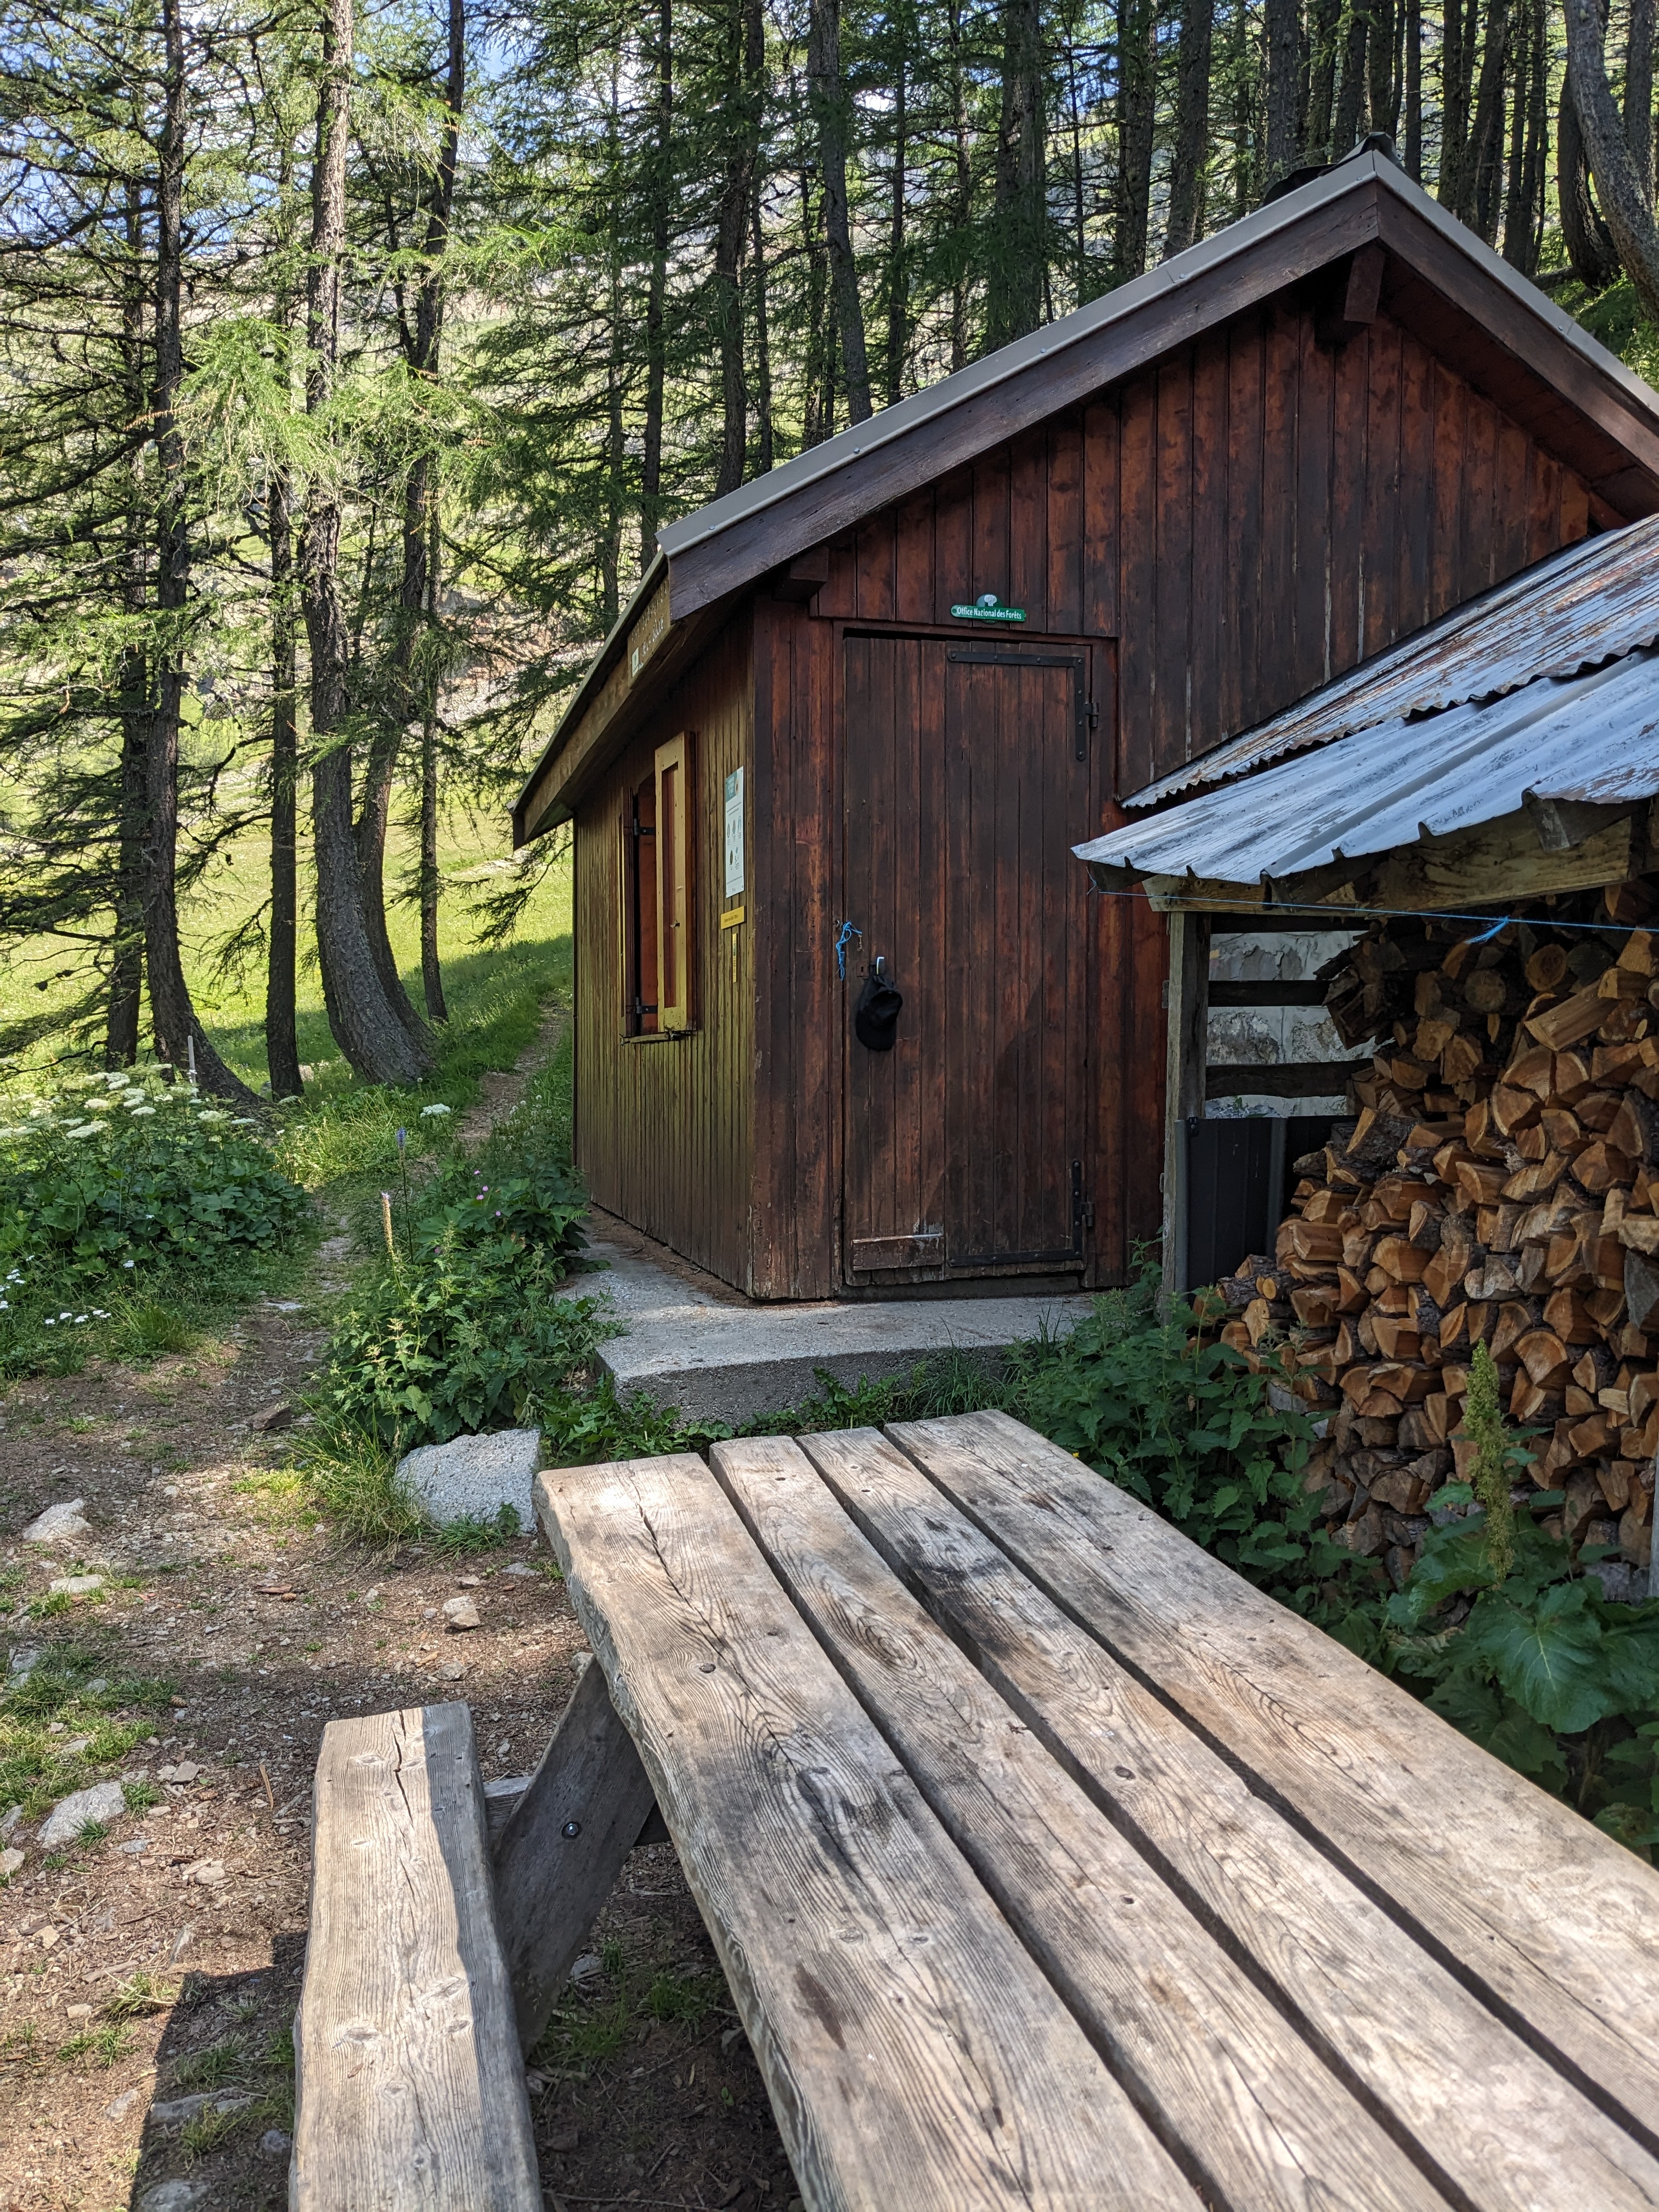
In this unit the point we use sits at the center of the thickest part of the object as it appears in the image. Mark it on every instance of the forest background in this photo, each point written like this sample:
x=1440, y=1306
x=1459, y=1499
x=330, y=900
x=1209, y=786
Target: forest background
x=351, y=359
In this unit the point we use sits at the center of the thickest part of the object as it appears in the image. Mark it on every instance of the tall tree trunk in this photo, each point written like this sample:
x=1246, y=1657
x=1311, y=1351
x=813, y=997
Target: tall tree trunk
x=961, y=197
x=281, y=944
x=827, y=95
x=126, y=974
x=1282, y=23
x=1485, y=159
x=1638, y=92
x=1345, y=128
x=1518, y=213
x=1019, y=243
x=817, y=412
x=1137, y=108
x=1192, y=125
x=1591, y=253
x=127, y=979
x=423, y=353
x=1383, y=54
x=431, y=884
x=754, y=73
x=765, y=431
x=658, y=182
x=1626, y=209
x=1323, y=25
x=898, y=287
x=730, y=232
x=1081, y=288
x=180, y=1036
x=616, y=439
x=365, y=1025
x=1413, y=150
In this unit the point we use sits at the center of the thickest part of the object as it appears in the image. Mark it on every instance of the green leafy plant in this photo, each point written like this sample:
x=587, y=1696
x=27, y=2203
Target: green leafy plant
x=114, y=1172
x=1524, y=1653
x=1157, y=1405
x=467, y=1327
x=460, y=1341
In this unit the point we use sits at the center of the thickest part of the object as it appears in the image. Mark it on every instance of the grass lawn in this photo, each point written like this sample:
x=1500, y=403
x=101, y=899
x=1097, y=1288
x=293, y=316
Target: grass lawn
x=344, y=1128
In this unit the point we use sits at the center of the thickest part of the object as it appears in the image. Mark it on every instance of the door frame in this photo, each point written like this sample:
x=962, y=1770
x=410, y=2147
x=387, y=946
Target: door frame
x=1097, y=721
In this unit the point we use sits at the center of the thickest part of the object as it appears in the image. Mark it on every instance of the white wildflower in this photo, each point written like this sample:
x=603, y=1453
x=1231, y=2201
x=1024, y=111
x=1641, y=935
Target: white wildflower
x=129, y=1263
x=138, y=1110
x=427, y=1110
x=46, y=1323
x=84, y=1129
x=212, y=1114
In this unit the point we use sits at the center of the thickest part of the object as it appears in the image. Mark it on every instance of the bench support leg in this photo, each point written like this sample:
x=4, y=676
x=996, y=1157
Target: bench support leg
x=558, y=1857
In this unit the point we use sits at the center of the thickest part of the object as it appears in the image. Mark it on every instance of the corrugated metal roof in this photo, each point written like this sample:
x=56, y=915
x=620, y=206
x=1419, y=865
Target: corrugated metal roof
x=1599, y=598
x=1589, y=737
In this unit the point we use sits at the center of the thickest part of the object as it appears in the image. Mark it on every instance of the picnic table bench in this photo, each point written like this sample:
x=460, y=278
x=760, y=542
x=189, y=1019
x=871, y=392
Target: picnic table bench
x=1049, y=1864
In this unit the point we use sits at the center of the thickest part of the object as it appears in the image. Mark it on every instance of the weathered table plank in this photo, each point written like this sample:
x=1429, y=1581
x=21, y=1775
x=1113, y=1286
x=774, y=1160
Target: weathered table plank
x=563, y=1846
x=1493, y=2115
x=914, y=2053
x=1554, y=1925
x=1197, y=2044
x=410, y=2083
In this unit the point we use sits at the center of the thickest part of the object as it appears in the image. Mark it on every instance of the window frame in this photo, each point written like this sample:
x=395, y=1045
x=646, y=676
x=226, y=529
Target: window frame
x=675, y=845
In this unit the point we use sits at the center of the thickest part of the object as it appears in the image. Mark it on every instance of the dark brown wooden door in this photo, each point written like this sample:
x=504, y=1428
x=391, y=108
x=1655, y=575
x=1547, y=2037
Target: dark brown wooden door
x=967, y=780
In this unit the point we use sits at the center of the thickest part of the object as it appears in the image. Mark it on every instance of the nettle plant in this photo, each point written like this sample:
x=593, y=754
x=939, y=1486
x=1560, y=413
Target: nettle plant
x=110, y=1175
x=467, y=1327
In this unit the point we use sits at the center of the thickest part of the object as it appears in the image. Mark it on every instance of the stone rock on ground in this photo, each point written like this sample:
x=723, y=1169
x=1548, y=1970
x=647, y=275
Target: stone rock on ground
x=77, y=1585
x=173, y=2196
x=461, y=1613
x=473, y=1477
x=10, y=1860
x=59, y=1524
x=105, y=1801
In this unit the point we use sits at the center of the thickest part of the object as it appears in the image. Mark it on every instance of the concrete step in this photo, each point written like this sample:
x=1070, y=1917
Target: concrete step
x=729, y=1361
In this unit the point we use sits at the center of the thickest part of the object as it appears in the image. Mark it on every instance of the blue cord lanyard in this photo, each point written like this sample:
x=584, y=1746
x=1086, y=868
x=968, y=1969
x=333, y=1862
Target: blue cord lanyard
x=845, y=938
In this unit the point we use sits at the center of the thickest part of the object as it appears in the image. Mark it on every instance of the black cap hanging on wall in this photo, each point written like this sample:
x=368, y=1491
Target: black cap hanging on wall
x=875, y=1017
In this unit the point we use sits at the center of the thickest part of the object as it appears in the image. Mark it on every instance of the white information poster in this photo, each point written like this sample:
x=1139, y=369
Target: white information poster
x=734, y=834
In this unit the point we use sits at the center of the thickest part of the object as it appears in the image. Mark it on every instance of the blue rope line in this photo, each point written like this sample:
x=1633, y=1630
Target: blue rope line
x=848, y=933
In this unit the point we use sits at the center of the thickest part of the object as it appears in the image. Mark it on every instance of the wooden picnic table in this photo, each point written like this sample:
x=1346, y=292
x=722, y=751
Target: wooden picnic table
x=1050, y=1864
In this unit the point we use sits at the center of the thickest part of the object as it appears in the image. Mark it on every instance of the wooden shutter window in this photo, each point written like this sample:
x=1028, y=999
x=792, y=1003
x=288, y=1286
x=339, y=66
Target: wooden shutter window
x=639, y=880
x=674, y=884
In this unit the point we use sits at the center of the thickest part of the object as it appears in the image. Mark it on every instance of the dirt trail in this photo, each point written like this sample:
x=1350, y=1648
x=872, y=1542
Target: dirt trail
x=149, y=1976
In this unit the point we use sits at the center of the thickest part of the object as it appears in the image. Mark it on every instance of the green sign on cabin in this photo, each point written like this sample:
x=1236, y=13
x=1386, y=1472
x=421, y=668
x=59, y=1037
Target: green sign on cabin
x=988, y=608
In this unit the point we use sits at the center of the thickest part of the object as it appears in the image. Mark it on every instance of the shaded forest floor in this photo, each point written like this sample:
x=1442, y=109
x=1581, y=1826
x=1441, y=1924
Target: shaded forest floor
x=148, y=1973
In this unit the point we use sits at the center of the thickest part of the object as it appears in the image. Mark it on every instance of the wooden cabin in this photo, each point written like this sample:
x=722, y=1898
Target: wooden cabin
x=859, y=712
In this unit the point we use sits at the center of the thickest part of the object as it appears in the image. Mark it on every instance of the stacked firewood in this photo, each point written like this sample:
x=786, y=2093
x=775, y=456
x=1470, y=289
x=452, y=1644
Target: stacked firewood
x=1497, y=1184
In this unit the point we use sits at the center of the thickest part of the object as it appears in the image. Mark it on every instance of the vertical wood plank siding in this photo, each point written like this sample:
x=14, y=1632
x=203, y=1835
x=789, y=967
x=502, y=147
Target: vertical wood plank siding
x=663, y=1126
x=1250, y=518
